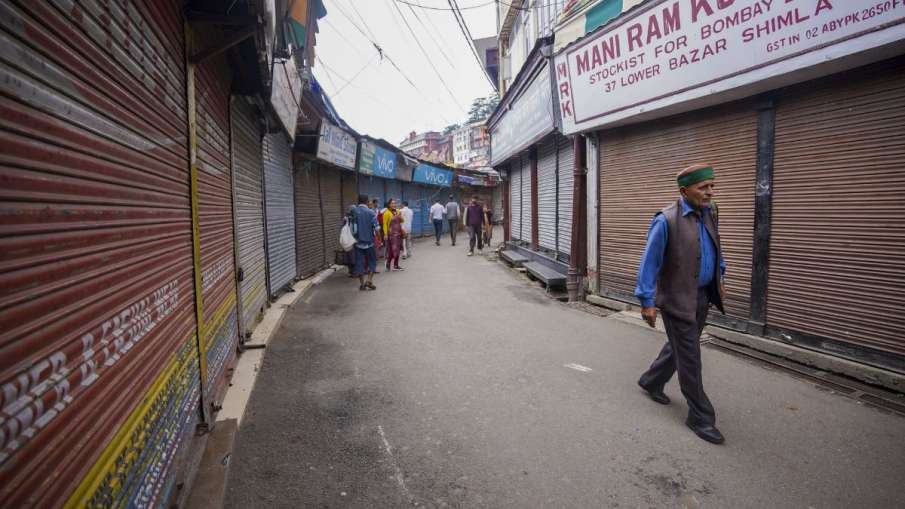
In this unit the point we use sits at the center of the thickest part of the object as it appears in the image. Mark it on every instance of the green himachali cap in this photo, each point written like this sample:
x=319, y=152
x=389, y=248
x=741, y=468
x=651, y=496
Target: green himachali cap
x=694, y=174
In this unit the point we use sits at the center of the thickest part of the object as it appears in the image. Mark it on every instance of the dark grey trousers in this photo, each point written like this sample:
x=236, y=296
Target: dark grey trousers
x=682, y=353
x=453, y=226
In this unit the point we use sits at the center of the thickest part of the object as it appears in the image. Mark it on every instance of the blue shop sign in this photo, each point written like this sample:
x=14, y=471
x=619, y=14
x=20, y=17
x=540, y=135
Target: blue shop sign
x=384, y=163
x=427, y=174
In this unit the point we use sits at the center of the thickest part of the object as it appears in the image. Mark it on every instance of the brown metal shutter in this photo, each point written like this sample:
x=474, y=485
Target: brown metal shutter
x=218, y=276
x=638, y=166
x=837, y=251
x=96, y=297
x=331, y=201
x=309, y=232
x=248, y=200
x=349, y=191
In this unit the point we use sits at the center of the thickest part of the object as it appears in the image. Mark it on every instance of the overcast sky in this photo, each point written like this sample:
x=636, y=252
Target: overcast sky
x=378, y=100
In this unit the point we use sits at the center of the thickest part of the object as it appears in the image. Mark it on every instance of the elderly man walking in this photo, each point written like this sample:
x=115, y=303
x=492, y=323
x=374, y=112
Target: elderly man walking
x=681, y=273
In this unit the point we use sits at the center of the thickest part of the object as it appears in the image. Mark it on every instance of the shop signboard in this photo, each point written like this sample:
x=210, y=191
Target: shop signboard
x=427, y=174
x=529, y=118
x=336, y=146
x=285, y=94
x=675, y=55
x=377, y=161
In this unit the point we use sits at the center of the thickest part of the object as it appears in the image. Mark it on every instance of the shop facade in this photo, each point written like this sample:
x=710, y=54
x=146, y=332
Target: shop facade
x=807, y=142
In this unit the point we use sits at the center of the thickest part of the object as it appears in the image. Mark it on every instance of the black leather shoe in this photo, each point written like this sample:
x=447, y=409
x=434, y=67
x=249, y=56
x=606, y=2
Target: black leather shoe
x=707, y=432
x=657, y=396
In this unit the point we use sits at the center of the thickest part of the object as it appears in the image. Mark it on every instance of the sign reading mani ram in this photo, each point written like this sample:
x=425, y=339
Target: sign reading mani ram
x=675, y=51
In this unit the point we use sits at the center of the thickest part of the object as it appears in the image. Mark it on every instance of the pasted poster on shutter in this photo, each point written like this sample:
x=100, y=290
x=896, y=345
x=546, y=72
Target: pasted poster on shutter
x=674, y=51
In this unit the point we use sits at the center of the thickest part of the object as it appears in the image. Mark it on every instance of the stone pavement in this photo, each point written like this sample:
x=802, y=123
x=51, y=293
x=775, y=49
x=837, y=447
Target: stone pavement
x=459, y=384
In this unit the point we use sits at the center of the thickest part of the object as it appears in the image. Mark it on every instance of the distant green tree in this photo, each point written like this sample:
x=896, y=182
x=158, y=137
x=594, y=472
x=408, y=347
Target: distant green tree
x=482, y=108
x=450, y=128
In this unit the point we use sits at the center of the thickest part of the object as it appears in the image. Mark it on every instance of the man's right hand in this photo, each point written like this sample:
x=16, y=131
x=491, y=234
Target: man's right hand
x=650, y=316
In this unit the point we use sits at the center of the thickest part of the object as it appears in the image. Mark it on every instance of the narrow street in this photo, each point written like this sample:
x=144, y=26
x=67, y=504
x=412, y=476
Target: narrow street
x=460, y=384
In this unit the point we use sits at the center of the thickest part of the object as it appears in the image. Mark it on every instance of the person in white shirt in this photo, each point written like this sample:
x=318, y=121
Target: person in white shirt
x=408, y=215
x=437, y=212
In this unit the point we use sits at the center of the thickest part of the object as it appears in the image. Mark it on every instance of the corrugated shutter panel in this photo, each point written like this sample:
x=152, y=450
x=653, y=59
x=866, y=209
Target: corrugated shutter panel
x=416, y=196
x=218, y=277
x=498, y=203
x=331, y=200
x=546, y=195
x=837, y=244
x=394, y=190
x=566, y=171
x=373, y=187
x=515, y=200
x=309, y=232
x=527, y=220
x=349, y=191
x=95, y=243
x=638, y=178
x=248, y=198
x=279, y=211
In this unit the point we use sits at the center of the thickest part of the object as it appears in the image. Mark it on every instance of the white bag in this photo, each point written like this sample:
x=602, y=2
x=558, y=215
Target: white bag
x=346, y=239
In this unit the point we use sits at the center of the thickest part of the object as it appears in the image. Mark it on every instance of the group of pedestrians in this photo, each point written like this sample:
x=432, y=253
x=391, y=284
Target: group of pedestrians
x=478, y=219
x=379, y=233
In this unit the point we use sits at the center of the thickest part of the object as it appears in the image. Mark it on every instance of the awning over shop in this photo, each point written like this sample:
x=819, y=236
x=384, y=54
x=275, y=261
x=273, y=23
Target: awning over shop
x=525, y=118
x=427, y=174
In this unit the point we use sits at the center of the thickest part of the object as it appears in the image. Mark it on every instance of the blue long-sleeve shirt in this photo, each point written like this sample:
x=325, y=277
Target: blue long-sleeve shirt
x=652, y=260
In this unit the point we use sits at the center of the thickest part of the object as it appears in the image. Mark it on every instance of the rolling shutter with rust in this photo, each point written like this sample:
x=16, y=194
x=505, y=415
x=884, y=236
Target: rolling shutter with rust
x=837, y=250
x=248, y=200
x=566, y=170
x=279, y=213
x=100, y=368
x=218, y=277
x=546, y=195
x=331, y=201
x=638, y=167
x=309, y=232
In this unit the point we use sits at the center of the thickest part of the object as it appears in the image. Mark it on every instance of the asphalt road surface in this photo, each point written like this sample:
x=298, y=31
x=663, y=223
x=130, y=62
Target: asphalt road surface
x=460, y=384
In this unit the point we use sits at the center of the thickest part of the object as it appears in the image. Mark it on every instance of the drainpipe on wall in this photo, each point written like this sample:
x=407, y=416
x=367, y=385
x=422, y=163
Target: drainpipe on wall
x=573, y=278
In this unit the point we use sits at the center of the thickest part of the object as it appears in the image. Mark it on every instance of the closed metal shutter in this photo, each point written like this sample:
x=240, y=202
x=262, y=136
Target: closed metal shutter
x=279, y=212
x=546, y=195
x=96, y=298
x=527, y=220
x=497, y=200
x=515, y=200
x=331, y=200
x=373, y=187
x=248, y=200
x=218, y=277
x=394, y=191
x=566, y=170
x=638, y=167
x=349, y=191
x=837, y=251
x=309, y=231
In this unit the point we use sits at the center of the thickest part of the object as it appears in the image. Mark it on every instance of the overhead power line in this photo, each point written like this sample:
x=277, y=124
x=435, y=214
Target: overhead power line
x=469, y=40
x=430, y=34
x=429, y=61
x=468, y=7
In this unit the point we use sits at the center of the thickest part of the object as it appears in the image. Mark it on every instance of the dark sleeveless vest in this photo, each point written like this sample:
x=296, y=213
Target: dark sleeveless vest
x=677, y=285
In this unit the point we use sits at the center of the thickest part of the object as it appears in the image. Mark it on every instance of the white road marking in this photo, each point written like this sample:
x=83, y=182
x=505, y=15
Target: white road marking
x=397, y=473
x=578, y=367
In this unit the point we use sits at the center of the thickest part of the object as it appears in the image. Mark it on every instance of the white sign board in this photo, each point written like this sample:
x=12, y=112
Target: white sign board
x=336, y=146
x=286, y=94
x=673, y=51
x=529, y=118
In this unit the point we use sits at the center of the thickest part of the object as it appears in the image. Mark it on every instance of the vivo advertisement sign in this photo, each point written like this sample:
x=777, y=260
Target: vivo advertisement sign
x=377, y=161
x=672, y=52
x=427, y=174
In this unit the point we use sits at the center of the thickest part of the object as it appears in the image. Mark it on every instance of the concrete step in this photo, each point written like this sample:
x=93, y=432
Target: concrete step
x=548, y=276
x=513, y=258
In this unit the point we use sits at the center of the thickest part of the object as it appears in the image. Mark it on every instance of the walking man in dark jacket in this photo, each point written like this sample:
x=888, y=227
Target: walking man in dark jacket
x=681, y=273
x=474, y=220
